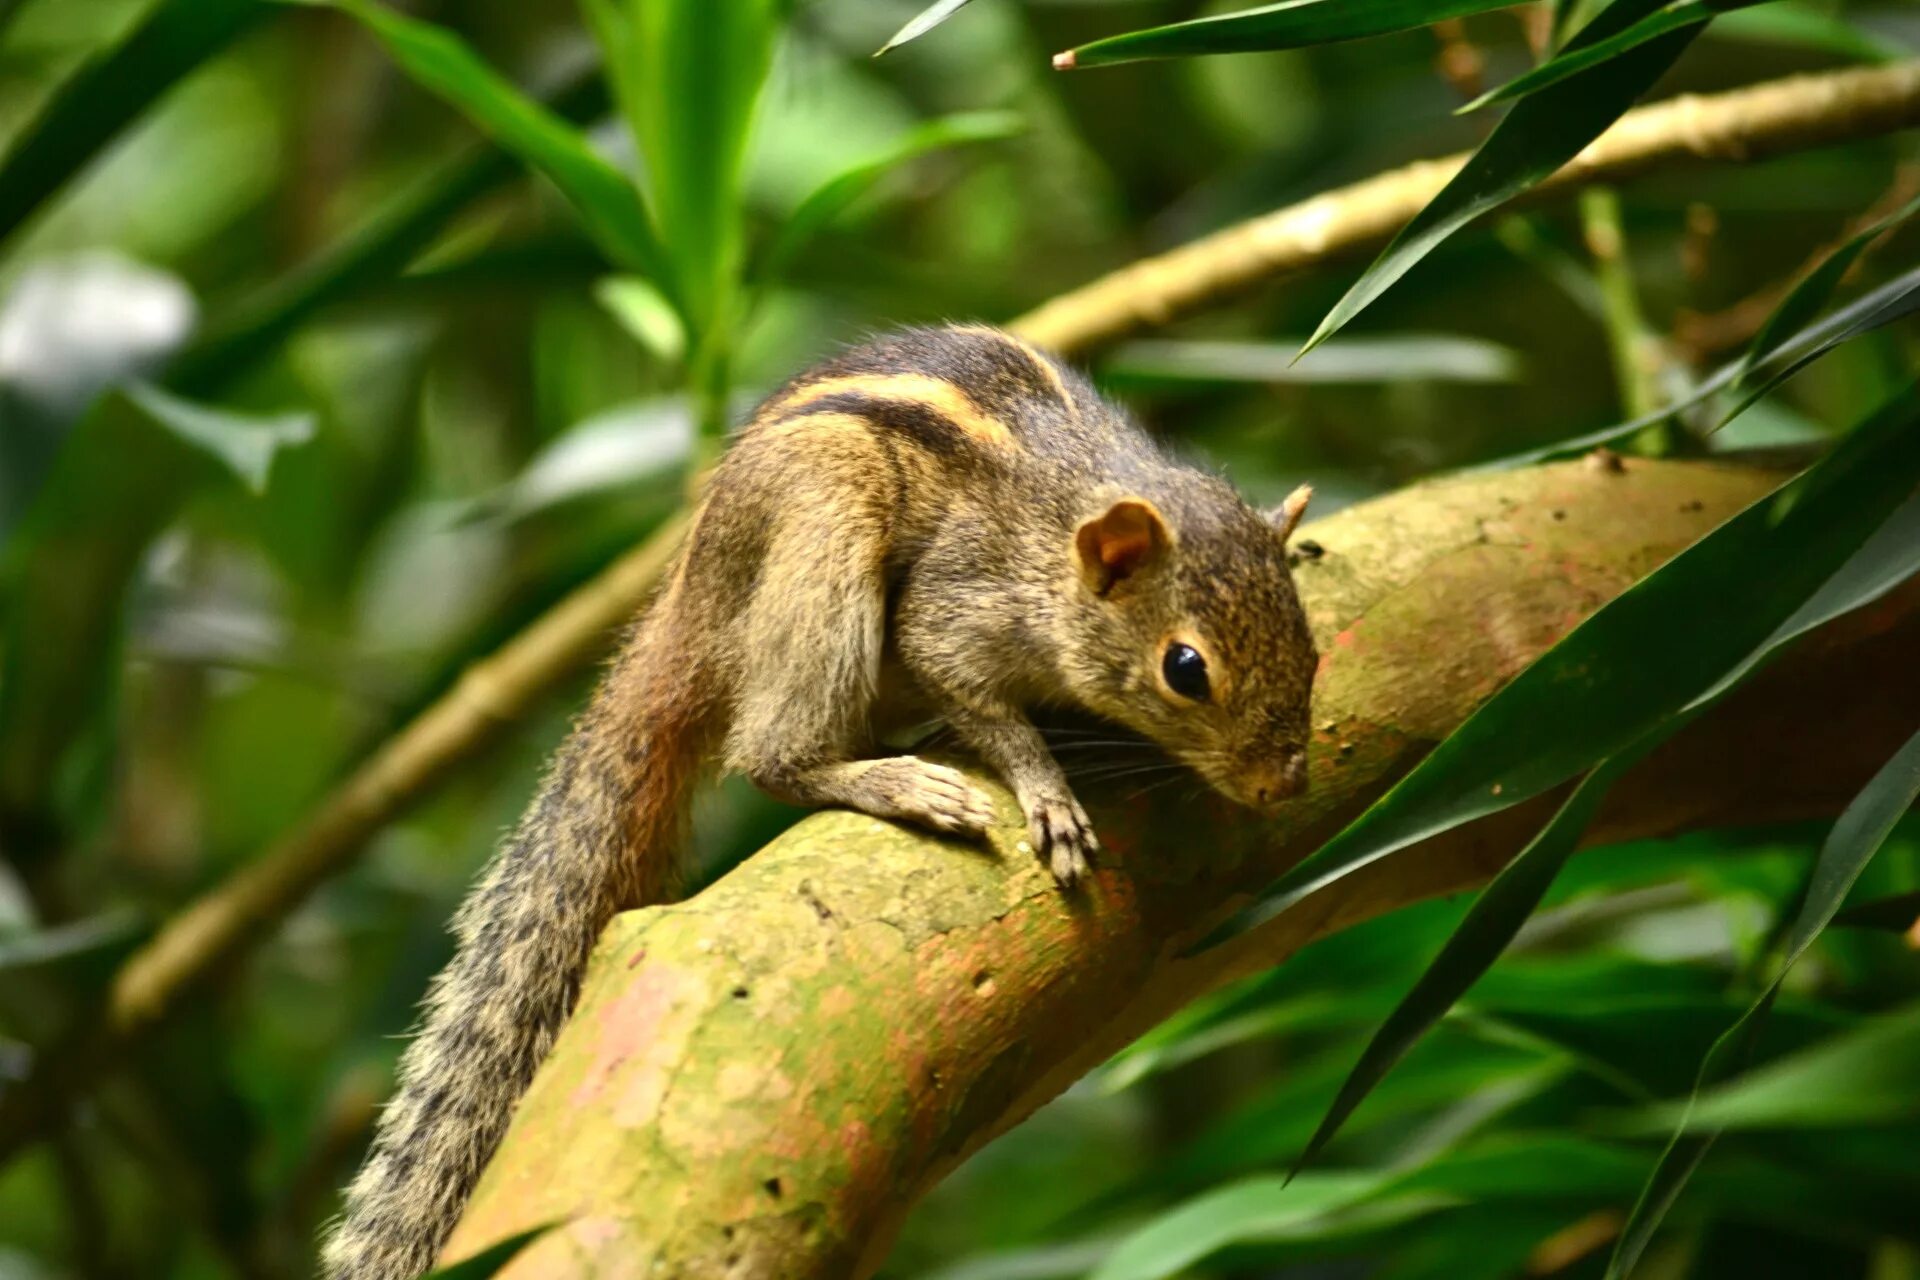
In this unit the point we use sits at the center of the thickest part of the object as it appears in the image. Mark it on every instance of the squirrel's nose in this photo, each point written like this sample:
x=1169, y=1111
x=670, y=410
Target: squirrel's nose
x=1282, y=780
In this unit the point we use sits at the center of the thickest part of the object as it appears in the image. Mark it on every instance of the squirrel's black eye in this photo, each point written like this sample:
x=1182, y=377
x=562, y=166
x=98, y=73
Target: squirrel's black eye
x=1186, y=672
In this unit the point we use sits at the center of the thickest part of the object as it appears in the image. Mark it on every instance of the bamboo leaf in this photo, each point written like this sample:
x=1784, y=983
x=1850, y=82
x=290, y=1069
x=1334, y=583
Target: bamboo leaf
x=690, y=73
x=1288, y=25
x=1492, y=922
x=1542, y=132
x=608, y=204
x=1892, y=301
x=1672, y=17
x=1642, y=658
x=1807, y=298
x=1862, y=828
x=921, y=23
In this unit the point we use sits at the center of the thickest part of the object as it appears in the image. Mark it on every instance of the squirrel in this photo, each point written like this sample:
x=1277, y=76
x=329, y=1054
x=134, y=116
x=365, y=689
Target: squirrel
x=944, y=521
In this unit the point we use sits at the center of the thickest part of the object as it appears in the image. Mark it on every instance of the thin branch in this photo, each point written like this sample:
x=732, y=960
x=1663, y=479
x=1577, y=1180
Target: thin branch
x=1745, y=124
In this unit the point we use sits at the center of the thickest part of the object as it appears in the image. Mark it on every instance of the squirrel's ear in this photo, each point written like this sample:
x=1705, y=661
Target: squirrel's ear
x=1120, y=542
x=1286, y=516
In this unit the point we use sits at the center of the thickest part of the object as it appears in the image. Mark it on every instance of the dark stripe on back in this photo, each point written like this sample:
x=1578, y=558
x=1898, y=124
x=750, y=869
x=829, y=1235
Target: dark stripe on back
x=926, y=426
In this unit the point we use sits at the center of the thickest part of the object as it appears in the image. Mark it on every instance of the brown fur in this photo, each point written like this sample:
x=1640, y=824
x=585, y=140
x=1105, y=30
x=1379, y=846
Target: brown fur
x=940, y=521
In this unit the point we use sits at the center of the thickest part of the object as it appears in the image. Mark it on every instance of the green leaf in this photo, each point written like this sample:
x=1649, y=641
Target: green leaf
x=609, y=206
x=491, y=1260
x=1811, y=294
x=1288, y=25
x=690, y=74
x=1642, y=658
x=1496, y=916
x=1671, y=17
x=1542, y=132
x=1262, y=1209
x=96, y=105
x=1862, y=828
x=832, y=198
x=921, y=23
x=1892, y=301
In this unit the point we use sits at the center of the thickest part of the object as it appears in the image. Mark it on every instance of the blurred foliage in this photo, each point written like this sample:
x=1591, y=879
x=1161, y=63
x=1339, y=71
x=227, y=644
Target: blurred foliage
x=310, y=395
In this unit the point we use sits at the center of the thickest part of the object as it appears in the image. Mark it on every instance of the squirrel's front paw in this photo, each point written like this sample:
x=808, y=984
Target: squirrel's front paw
x=1062, y=835
x=932, y=795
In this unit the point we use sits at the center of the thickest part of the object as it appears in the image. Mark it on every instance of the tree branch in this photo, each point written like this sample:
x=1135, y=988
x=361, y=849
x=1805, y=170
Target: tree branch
x=1799, y=112
x=1763, y=120
x=762, y=1080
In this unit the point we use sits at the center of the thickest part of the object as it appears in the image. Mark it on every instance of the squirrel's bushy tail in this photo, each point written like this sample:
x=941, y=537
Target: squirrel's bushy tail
x=600, y=837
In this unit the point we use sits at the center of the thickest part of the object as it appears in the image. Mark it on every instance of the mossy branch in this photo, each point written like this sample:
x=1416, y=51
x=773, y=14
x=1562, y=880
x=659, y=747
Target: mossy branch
x=761, y=1081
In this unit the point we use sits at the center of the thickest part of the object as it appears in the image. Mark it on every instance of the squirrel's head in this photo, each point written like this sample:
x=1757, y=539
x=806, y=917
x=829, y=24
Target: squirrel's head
x=1198, y=640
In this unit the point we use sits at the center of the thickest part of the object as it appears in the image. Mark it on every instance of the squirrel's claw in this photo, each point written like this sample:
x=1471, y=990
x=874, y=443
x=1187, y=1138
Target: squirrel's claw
x=1062, y=836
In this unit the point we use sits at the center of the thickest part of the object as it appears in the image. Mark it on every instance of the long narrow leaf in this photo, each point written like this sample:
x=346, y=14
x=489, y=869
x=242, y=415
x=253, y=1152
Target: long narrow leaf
x=1891, y=556
x=1863, y=827
x=1542, y=132
x=1288, y=25
x=1673, y=17
x=1640, y=659
x=921, y=23
x=1892, y=301
x=1492, y=922
x=94, y=106
x=1807, y=298
x=693, y=75
x=608, y=204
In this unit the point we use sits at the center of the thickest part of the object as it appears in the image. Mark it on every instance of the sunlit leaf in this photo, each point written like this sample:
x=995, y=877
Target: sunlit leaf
x=692, y=73
x=1288, y=25
x=1640, y=659
x=921, y=23
x=1540, y=134
x=608, y=204
x=1862, y=828
x=96, y=105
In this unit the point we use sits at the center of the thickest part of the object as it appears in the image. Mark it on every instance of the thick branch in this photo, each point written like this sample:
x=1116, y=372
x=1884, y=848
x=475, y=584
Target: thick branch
x=761, y=1081
x=1745, y=124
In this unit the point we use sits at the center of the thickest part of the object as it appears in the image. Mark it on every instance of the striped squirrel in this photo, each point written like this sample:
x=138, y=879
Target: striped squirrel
x=941, y=521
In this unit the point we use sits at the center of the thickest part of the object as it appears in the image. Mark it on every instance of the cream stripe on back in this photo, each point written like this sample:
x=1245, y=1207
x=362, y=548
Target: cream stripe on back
x=937, y=394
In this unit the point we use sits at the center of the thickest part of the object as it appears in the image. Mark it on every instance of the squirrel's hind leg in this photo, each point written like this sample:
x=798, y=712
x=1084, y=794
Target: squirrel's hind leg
x=810, y=649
